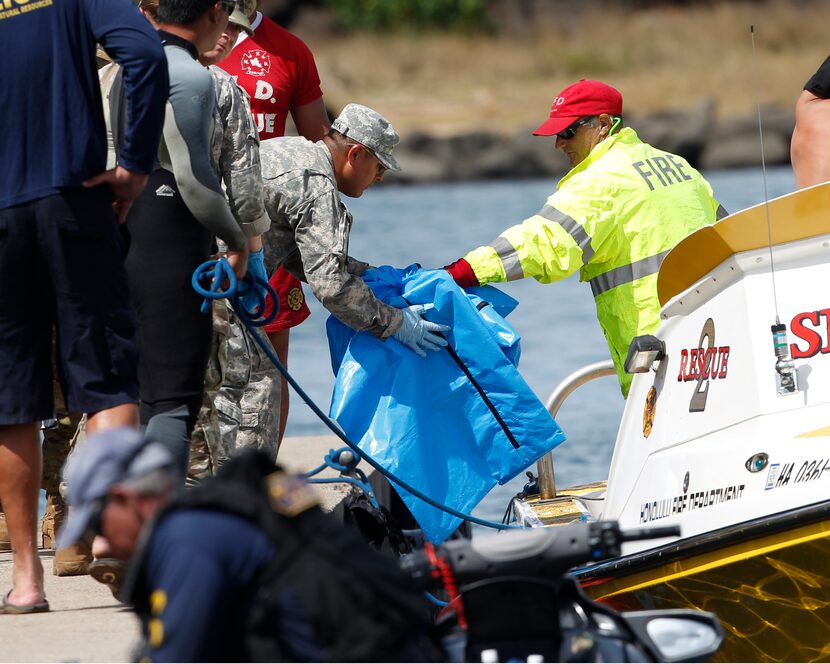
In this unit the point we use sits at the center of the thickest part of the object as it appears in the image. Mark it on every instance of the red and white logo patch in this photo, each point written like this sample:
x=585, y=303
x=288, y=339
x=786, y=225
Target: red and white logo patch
x=256, y=62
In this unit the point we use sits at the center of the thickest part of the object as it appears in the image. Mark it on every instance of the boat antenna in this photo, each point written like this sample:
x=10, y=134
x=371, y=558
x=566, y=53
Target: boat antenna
x=786, y=377
x=764, y=172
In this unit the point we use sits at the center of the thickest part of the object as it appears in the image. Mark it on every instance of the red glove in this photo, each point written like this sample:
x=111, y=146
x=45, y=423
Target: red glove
x=462, y=273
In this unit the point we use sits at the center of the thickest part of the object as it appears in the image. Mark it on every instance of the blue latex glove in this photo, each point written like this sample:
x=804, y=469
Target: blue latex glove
x=418, y=334
x=256, y=268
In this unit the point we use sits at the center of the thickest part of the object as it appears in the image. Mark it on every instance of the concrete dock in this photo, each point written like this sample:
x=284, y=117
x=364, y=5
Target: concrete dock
x=85, y=623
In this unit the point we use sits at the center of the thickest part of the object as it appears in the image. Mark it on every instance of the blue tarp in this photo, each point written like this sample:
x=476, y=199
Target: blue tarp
x=424, y=419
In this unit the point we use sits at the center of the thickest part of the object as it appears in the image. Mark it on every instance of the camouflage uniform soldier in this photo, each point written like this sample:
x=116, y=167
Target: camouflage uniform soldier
x=233, y=417
x=310, y=224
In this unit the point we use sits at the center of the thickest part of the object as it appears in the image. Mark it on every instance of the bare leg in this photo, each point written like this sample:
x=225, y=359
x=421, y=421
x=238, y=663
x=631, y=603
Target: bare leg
x=20, y=471
x=125, y=415
x=279, y=340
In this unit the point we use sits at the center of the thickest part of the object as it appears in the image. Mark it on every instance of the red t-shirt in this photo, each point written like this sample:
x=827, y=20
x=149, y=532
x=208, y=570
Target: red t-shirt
x=277, y=70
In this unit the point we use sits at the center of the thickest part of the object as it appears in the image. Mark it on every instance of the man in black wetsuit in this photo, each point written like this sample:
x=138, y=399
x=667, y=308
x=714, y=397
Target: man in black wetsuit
x=172, y=226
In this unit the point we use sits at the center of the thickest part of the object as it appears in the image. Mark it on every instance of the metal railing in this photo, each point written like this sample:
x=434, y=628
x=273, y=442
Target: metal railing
x=547, y=478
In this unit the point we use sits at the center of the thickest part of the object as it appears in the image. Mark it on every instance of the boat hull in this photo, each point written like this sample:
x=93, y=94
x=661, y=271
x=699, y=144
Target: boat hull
x=767, y=580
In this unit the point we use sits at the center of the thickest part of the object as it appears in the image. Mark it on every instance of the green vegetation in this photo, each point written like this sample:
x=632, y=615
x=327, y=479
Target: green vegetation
x=382, y=15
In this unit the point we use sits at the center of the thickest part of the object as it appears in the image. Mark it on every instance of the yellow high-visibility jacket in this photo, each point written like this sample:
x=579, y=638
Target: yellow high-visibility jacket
x=613, y=217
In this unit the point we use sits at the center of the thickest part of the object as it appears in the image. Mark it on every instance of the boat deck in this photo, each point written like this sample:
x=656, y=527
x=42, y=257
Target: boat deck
x=567, y=507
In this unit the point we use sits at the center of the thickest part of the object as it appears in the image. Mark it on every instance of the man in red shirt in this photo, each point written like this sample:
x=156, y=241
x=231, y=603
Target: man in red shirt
x=278, y=71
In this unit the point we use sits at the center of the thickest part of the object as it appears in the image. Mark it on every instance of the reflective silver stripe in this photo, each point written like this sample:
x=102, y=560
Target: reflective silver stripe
x=625, y=274
x=721, y=213
x=575, y=230
x=509, y=258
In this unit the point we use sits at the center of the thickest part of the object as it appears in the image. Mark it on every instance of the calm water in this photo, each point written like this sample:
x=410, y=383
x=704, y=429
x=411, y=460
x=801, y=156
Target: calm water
x=433, y=225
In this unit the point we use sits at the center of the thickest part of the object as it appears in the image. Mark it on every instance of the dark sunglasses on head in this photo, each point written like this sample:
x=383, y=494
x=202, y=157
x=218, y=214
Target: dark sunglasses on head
x=229, y=5
x=569, y=132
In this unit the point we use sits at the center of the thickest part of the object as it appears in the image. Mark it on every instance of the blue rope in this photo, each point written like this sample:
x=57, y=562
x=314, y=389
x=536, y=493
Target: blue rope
x=438, y=602
x=333, y=426
x=332, y=460
x=216, y=273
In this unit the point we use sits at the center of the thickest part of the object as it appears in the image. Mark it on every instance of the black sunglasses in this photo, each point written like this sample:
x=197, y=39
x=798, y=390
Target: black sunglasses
x=569, y=132
x=229, y=5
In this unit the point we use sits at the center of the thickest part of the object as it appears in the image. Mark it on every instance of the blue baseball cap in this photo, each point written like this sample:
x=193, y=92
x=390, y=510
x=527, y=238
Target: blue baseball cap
x=111, y=457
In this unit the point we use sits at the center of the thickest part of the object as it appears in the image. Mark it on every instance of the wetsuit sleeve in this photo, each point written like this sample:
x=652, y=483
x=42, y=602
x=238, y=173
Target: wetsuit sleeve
x=239, y=162
x=129, y=40
x=188, y=127
x=322, y=236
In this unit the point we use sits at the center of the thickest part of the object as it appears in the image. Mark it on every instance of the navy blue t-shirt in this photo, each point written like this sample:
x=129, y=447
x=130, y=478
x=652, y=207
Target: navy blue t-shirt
x=53, y=131
x=196, y=570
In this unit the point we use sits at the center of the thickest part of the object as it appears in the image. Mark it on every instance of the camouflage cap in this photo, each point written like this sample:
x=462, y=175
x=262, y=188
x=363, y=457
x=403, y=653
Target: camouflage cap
x=240, y=18
x=370, y=129
x=247, y=7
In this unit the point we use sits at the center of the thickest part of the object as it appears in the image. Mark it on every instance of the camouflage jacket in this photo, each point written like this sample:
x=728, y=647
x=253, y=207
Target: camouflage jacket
x=235, y=152
x=309, y=233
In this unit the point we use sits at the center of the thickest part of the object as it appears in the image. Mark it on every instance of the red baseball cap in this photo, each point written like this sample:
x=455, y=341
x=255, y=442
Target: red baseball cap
x=583, y=98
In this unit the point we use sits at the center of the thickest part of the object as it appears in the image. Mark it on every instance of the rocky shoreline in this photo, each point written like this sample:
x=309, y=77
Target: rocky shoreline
x=707, y=141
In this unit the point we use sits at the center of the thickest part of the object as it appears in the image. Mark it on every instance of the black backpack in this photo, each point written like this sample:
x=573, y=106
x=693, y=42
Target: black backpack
x=362, y=607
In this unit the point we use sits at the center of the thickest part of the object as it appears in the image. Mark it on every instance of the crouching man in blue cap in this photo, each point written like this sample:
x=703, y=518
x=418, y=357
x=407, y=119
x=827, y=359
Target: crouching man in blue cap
x=244, y=567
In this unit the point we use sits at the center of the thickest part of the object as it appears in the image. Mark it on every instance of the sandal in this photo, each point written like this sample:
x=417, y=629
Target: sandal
x=8, y=608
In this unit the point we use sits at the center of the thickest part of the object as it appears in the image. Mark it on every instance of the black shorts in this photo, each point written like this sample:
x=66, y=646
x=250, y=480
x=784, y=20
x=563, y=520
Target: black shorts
x=61, y=264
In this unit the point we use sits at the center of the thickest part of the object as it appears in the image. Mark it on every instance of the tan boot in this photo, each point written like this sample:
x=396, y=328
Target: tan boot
x=52, y=520
x=5, y=542
x=72, y=560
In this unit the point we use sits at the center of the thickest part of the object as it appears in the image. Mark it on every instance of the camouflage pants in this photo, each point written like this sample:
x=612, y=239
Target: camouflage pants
x=58, y=440
x=241, y=406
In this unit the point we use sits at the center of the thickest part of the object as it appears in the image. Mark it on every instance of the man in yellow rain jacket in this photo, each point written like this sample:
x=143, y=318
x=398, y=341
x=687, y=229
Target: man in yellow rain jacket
x=614, y=217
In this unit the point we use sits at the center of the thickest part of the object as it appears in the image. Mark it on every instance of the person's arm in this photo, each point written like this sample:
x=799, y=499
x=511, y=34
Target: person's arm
x=188, y=126
x=308, y=110
x=322, y=237
x=239, y=163
x=311, y=119
x=810, y=146
x=548, y=246
x=130, y=41
x=356, y=267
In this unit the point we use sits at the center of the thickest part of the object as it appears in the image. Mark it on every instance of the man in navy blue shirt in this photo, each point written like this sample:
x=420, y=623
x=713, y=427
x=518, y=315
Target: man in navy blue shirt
x=191, y=570
x=243, y=567
x=61, y=248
